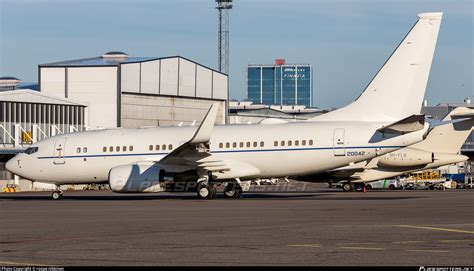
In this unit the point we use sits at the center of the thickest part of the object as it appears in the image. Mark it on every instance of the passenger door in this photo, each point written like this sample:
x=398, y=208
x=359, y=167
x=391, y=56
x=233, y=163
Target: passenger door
x=59, y=150
x=339, y=143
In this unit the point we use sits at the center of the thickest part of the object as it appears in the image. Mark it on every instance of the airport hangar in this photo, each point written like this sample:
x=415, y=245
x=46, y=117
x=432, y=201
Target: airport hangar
x=108, y=91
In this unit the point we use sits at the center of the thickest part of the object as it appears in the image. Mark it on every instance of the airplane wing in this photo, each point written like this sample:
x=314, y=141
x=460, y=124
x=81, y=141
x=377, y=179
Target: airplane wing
x=196, y=154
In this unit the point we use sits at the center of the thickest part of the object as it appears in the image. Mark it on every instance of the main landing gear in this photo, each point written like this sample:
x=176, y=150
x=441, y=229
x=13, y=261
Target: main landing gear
x=350, y=187
x=207, y=188
x=57, y=194
x=233, y=190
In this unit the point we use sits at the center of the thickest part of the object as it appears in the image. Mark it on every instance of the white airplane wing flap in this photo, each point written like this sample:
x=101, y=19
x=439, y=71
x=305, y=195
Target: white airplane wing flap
x=195, y=154
x=197, y=148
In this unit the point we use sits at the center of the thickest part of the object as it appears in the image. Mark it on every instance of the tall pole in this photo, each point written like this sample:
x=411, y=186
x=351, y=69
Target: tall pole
x=223, y=7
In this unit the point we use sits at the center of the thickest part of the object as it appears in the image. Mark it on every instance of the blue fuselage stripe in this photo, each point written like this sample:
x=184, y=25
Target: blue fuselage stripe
x=223, y=151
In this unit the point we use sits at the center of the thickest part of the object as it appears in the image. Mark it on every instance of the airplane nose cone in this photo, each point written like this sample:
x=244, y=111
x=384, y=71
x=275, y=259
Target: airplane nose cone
x=11, y=166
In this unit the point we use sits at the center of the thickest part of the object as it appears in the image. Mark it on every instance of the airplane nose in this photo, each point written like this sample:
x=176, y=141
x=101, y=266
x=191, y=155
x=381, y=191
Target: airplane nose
x=11, y=166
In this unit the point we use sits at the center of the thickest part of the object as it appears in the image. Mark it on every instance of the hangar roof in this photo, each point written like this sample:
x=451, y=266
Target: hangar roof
x=98, y=61
x=102, y=61
x=32, y=96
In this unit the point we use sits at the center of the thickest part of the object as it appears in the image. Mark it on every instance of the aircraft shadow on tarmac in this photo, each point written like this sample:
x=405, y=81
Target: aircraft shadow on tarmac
x=192, y=196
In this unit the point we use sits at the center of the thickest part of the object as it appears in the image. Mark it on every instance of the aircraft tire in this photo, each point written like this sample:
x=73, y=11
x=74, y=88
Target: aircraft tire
x=348, y=187
x=232, y=191
x=206, y=191
x=57, y=195
x=359, y=187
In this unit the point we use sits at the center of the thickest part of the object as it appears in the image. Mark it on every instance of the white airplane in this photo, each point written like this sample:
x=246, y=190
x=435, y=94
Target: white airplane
x=441, y=147
x=383, y=119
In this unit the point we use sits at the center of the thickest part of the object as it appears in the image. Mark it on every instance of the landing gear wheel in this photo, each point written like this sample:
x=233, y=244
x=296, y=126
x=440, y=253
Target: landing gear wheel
x=206, y=191
x=232, y=191
x=359, y=187
x=347, y=187
x=57, y=195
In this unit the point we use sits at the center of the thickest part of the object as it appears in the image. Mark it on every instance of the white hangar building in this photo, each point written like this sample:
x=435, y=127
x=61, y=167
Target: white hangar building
x=123, y=91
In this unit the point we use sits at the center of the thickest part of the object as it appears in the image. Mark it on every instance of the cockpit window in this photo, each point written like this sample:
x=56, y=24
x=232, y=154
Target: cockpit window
x=31, y=150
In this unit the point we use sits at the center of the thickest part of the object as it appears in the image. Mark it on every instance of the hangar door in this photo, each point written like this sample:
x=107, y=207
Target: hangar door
x=338, y=142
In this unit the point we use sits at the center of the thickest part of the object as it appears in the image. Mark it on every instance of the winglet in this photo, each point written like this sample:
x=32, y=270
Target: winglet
x=203, y=133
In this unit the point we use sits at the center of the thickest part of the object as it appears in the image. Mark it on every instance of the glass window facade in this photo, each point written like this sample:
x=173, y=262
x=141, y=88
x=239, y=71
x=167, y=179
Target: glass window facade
x=280, y=85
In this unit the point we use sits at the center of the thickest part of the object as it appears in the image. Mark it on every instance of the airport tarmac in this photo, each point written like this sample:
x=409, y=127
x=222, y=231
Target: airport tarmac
x=312, y=225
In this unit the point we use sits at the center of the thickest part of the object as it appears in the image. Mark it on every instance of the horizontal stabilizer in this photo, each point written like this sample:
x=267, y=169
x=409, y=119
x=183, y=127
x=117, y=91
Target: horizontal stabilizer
x=463, y=115
x=407, y=125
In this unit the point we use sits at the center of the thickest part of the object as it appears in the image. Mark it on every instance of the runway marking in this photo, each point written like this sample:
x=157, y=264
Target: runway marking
x=409, y=242
x=435, y=229
x=427, y=250
x=455, y=241
x=364, y=248
x=16, y=263
x=305, y=245
x=357, y=243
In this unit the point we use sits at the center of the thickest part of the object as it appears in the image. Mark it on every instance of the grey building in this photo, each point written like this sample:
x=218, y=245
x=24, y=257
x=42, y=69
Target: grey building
x=130, y=92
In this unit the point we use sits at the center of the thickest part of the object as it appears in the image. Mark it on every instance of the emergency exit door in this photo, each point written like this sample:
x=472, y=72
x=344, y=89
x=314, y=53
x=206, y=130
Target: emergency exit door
x=339, y=142
x=59, y=149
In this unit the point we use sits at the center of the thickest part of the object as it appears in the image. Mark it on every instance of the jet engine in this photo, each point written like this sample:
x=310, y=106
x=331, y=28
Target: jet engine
x=134, y=178
x=407, y=158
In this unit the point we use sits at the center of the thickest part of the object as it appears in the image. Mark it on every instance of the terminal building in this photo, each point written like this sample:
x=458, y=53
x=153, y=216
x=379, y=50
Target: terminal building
x=280, y=84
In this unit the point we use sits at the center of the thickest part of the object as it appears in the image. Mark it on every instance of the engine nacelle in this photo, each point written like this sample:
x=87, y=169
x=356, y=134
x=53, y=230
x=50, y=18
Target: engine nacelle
x=406, y=158
x=135, y=178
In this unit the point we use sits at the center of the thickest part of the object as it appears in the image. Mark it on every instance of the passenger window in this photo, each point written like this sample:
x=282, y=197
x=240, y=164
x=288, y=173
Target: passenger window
x=84, y=150
x=130, y=148
x=111, y=149
x=275, y=143
x=157, y=147
x=290, y=143
x=262, y=144
x=117, y=148
x=150, y=147
x=283, y=143
x=104, y=149
x=234, y=145
x=221, y=145
x=297, y=142
x=241, y=144
x=227, y=145
x=255, y=144
x=170, y=147
x=78, y=150
x=303, y=142
x=311, y=142
x=163, y=147
x=124, y=148
x=248, y=144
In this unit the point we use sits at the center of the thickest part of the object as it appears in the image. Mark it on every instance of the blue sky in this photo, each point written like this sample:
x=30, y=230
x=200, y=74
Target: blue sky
x=345, y=41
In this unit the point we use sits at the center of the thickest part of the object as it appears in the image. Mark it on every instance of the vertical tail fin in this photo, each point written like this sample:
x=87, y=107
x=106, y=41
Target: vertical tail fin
x=448, y=138
x=398, y=88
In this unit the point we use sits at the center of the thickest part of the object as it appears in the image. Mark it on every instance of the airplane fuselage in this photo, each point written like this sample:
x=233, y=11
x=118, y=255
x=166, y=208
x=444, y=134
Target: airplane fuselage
x=274, y=150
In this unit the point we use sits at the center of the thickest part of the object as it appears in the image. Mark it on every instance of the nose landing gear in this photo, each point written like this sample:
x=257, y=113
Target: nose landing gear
x=57, y=194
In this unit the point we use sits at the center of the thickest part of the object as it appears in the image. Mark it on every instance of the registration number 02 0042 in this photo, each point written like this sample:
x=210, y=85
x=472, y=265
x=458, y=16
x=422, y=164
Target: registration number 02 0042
x=355, y=153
